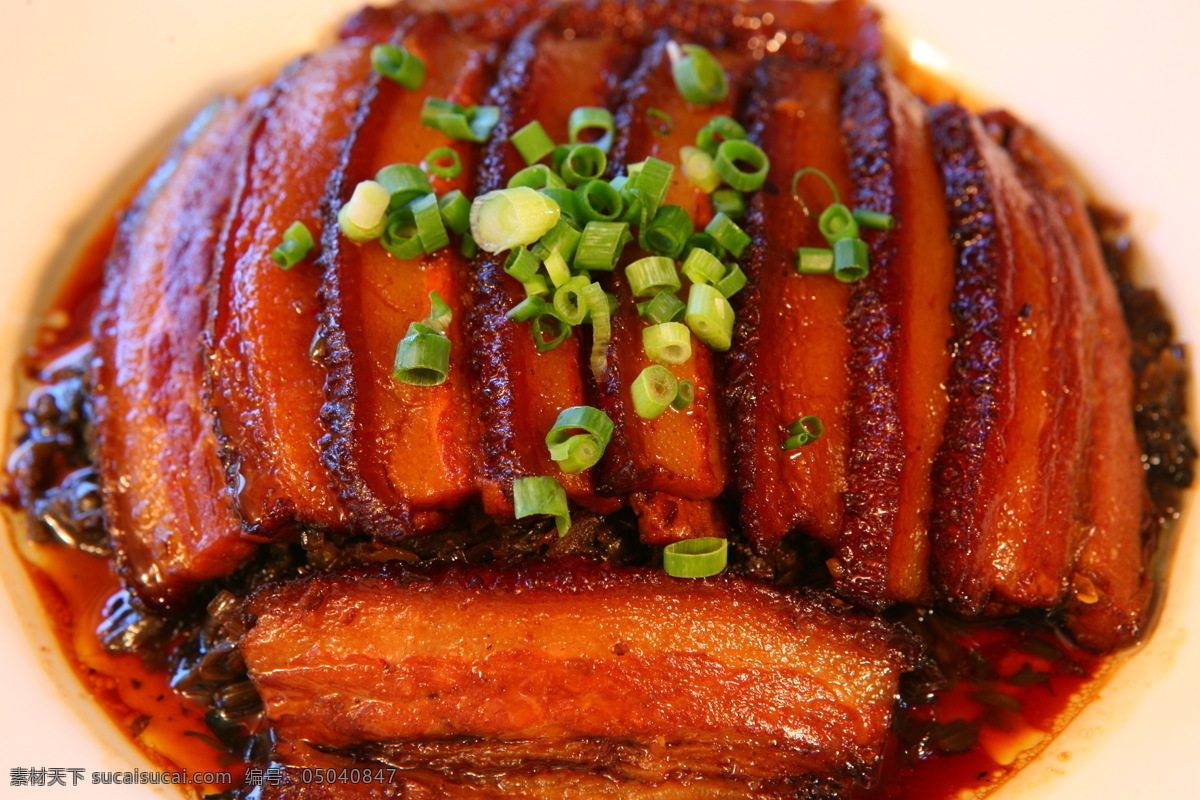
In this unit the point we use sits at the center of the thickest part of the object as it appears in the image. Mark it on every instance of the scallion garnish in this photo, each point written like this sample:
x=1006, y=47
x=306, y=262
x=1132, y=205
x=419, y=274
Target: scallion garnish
x=521, y=264
x=574, y=426
x=850, y=260
x=296, y=244
x=598, y=200
x=701, y=266
x=742, y=164
x=423, y=355
x=652, y=275
x=440, y=313
x=428, y=219
x=585, y=162
x=659, y=121
x=820, y=174
x=563, y=239
x=468, y=247
x=532, y=142
x=728, y=234
x=404, y=182
x=600, y=245
x=667, y=343
x=874, y=219
x=567, y=201
x=536, y=176
x=703, y=240
x=732, y=283
x=557, y=269
x=456, y=211
x=696, y=558
x=814, y=260
x=539, y=495
x=650, y=179
x=699, y=77
x=652, y=391
x=363, y=217
x=600, y=314
x=506, y=218
x=710, y=316
x=398, y=64
x=536, y=286
x=527, y=309
x=805, y=430
x=836, y=223
x=444, y=162
x=472, y=124
x=667, y=234
x=569, y=303
x=663, y=307
x=591, y=125
x=698, y=167
x=400, y=236
x=684, y=394
x=560, y=330
x=729, y=202
x=718, y=129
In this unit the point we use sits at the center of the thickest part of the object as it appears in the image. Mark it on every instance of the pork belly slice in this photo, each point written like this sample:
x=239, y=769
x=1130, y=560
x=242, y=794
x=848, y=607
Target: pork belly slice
x=575, y=666
x=899, y=327
x=1005, y=520
x=791, y=345
x=519, y=391
x=166, y=503
x=1110, y=586
x=401, y=453
x=267, y=391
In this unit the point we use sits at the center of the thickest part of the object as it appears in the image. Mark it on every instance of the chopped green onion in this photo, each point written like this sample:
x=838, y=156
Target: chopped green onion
x=667, y=234
x=400, y=235
x=814, y=260
x=729, y=161
x=561, y=330
x=556, y=268
x=536, y=286
x=702, y=266
x=566, y=200
x=696, y=558
x=527, y=309
x=836, y=223
x=576, y=454
x=710, y=316
x=635, y=207
x=472, y=124
x=850, y=260
x=820, y=174
x=598, y=200
x=422, y=359
x=456, y=211
x=667, y=343
x=874, y=219
x=364, y=216
x=404, y=182
x=698, y=168
x=600, y=313
x=684, y=394
x=436, y=162
x=729, y=202
x=652, y=391
x=718, y=129
x=563, y=239
x=469, y=247
x=521, y=264
x=703, y=240
x=569, y=304
x=440, y=313
x=398, y=64
x=578, y=422
x=728, y=234
x=805, y=430
x=651, y=275
x=538, y=495
x=585, y=162
x=733, y=282
x=663, y=307
x=591, y=125
x=536, y=176
x=699, y=78
x=651, y=179
x=600, y=245
x=532, y=142
x=506, y=218
x=558, y=156
x=659, y=122
x=428, y=218
x=296, y=244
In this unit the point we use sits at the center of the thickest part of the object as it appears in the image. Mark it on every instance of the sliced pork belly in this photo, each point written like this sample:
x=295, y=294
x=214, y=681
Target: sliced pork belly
x=1110, y=587
x=401, y=453
x=1005, y=518
x=166, y=503
x=267, y=391
x=791, y=345
x=519, y=391
x=899, y=328
x=570, y=666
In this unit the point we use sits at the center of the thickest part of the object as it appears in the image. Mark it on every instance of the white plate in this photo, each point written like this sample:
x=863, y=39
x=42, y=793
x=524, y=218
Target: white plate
x=91, y=89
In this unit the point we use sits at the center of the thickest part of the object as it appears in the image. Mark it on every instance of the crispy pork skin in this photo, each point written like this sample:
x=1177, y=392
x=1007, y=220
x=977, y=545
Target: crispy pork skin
x=267, y=391
x=166, y=503
x=401, y=453
x=899, y=332
x=576, y=666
